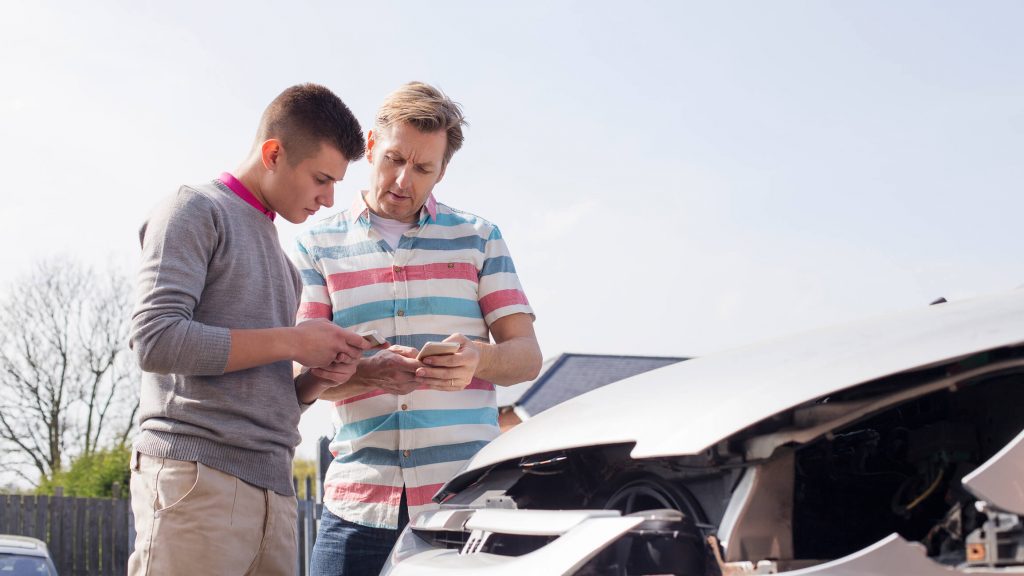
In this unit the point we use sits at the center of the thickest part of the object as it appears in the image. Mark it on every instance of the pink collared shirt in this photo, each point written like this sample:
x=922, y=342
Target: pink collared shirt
x=238, y=188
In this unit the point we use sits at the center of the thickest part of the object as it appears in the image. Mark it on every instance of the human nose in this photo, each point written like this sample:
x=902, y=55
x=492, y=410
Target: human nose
x=327, y=199
x=404, y=178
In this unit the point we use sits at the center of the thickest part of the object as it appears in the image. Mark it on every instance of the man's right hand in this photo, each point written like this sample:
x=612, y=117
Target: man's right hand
x=319, y=343
x=392, y=370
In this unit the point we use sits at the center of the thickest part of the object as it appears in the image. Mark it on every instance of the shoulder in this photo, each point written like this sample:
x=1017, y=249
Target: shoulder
x=448, y=216
x=327, y=230
x=188, y=205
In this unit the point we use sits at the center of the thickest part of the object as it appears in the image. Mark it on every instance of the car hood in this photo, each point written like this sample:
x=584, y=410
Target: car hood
x=687, y=407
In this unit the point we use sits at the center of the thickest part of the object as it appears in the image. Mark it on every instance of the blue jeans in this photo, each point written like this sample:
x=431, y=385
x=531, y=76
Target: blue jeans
x=345, y=548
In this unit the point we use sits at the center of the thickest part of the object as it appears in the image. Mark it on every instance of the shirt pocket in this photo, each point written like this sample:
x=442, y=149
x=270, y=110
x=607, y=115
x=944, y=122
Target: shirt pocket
x=449, y=287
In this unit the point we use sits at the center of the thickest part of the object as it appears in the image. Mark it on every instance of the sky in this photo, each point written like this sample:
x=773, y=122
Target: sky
x=672, y=178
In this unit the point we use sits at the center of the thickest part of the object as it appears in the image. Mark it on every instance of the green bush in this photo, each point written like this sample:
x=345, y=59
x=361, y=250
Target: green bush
x=93, y=476
x=301, y=468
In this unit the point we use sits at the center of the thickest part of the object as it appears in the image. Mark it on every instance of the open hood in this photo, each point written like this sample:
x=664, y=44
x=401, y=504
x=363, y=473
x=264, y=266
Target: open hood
x=688, y=407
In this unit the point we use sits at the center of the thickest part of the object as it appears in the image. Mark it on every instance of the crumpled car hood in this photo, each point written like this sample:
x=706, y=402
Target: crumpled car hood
x=687, y=407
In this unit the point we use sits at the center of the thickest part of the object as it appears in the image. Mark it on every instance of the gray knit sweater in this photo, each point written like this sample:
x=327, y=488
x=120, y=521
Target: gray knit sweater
x=211, y=263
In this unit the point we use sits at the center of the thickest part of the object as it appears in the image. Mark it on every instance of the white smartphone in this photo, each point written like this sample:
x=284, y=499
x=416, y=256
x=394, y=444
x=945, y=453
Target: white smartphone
x=437, y=349
x=373, y=337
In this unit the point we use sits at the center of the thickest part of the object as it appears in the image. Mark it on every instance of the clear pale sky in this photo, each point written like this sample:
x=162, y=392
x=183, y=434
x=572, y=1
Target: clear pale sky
x=672, y=178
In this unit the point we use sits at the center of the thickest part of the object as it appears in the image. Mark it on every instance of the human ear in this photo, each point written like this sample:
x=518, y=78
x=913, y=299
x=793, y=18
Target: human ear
x=270, y=154
x=370, y=141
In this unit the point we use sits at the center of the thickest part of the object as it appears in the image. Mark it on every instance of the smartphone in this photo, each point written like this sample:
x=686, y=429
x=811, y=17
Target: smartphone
x=437, y=349
x=373, y=337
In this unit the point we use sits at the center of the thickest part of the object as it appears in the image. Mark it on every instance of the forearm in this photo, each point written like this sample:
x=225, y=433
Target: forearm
x=510, y=362
x=251, y=348
x=308, y=387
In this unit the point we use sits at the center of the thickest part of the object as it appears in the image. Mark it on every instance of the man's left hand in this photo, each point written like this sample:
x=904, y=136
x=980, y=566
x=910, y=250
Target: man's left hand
x=335, y=373
x=450, y=372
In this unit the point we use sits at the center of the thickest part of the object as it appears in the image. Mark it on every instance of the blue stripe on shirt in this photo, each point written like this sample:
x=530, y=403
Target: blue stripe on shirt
x=462, y=243
x=449, y=219
x=346, y=251
x=312, y=278
x=496, y=265
x=417, y=419
x=417, y=457
x=333, y=226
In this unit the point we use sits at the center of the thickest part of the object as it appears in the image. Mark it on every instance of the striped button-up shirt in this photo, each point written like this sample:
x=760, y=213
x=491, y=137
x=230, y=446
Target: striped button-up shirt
x=450, y=273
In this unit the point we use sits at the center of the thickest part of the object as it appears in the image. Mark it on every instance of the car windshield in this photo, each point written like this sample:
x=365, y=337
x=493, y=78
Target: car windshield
x=19, y=565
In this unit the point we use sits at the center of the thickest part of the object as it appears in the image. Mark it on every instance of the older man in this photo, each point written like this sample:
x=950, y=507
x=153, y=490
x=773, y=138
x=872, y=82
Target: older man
x=415, y=270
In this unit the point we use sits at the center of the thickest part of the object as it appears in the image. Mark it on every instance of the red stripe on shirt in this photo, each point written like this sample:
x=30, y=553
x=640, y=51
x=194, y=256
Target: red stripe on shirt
x=438, y=271
x=500, y=299
x=311, y=310
x=420, y=495
x=347, y=280
x=366, y=493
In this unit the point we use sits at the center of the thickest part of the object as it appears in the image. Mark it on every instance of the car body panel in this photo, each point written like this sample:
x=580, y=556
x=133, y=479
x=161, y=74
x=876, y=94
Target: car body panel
x=729, y=391
x=892, y=555
x=582, y=534
x=1000, y=480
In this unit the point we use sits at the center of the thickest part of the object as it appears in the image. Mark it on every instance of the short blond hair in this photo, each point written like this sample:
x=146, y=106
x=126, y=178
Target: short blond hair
x=428, y=110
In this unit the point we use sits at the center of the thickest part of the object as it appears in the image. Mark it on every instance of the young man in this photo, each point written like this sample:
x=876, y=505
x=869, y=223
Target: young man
x=415, y=270
x=214, y=330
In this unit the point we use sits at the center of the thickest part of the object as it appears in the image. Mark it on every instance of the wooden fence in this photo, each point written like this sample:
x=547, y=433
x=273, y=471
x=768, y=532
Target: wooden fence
x=95, y=536
x=86, y=536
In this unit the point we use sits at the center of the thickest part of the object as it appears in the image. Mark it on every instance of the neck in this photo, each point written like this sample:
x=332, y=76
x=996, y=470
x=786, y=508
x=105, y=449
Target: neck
x=250, y=173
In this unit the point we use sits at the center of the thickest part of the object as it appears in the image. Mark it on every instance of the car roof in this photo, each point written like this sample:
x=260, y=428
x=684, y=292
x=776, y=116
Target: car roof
x=11, y=544
x=690, y=406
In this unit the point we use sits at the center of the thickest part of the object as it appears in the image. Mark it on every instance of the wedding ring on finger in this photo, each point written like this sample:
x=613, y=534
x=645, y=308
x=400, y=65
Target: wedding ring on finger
x=451, y=382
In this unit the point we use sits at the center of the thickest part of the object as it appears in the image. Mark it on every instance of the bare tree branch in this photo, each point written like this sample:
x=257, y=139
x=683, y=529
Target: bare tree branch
x=67, y=381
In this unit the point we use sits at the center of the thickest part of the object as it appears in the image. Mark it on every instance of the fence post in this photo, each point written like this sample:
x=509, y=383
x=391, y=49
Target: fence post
x=310, y=523
x=4, y=513
x=56, y=532
x=42, y=512
x=122, y=518
x=323, y=461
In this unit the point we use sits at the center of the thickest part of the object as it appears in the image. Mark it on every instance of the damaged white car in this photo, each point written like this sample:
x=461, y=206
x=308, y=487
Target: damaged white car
x=891, y=446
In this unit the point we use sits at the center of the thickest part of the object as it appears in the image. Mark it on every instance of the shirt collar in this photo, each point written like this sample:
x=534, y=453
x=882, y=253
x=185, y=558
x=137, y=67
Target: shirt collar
x=360, y=212
x=238, y=188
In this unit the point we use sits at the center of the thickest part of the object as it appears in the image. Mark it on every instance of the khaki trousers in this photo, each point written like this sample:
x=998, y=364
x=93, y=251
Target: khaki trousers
x=193, y=520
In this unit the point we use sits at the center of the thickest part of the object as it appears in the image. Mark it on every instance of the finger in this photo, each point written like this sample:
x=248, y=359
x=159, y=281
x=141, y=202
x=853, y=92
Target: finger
x=404, y=351
x=436, y=373
x=449, y=360
x=356, y=341
x=457, y=337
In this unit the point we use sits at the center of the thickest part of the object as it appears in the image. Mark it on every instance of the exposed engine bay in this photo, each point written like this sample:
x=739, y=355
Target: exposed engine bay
x=842, y=472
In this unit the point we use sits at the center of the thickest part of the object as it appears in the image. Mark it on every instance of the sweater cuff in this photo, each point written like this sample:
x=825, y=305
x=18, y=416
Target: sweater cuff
x=214, y=347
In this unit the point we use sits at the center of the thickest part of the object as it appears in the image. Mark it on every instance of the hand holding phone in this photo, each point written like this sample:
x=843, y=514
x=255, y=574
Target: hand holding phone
x=373, y=337
x=437, y=349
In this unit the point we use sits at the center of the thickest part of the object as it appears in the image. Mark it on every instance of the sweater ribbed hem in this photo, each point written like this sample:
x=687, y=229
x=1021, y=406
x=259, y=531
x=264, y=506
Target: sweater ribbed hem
x=269, y=470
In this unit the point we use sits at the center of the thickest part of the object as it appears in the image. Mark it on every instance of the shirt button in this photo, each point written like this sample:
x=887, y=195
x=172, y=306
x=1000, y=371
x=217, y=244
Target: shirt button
x=405, y=406
x=451, y=265
x=406, y=453
x=398, y=269
x=400, y=313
